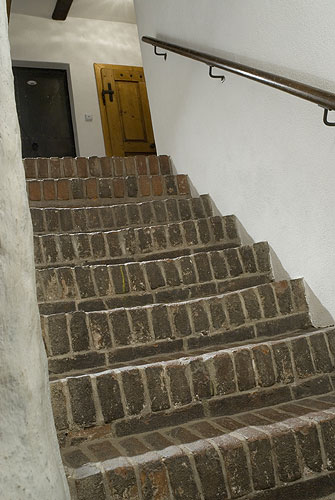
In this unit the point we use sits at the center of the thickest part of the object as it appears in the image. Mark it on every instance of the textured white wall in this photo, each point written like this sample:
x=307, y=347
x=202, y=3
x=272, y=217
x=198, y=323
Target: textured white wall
x=260, y=153
x=30, y=462
x=80, y=43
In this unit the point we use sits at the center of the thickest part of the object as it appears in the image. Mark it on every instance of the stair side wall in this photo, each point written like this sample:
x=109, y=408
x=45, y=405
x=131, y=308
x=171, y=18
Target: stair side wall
x=29, y=460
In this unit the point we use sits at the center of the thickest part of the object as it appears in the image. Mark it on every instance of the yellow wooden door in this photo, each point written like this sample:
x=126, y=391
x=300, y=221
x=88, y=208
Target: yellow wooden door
x=125, y=110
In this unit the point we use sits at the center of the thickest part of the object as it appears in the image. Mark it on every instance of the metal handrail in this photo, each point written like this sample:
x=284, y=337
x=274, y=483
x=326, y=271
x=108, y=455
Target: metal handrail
x=318, y=96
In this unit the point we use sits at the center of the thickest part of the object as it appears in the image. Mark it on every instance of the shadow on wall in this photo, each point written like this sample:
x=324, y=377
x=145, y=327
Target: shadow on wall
x=320, y=316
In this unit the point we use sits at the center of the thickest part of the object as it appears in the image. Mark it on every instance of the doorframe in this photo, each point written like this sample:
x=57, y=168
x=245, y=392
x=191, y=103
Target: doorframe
x=66, y=67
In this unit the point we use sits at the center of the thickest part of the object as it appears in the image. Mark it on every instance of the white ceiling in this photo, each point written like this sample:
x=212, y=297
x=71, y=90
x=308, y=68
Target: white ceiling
x=105, y=10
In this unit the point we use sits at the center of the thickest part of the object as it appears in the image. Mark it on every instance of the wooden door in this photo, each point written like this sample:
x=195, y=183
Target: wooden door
x=125, y=112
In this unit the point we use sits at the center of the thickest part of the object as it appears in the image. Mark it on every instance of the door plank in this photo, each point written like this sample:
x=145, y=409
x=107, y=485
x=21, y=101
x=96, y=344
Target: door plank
x=61, y=10
x=113, y=114
x=146, y=113
x=131, y=112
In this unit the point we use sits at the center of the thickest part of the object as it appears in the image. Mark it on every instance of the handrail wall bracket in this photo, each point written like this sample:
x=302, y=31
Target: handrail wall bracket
x=163, y=54
x=325, y=119
x=222, y=77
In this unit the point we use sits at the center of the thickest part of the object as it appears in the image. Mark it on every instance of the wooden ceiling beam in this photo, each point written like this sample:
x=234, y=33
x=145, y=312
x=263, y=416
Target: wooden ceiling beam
x=61, y=10
x=9, y=4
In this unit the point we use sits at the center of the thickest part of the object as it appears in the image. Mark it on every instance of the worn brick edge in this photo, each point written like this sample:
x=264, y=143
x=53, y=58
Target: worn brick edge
x=160, y=280
x=136, y=244
x=252, y=463
x=94, y=166
x=80, y=219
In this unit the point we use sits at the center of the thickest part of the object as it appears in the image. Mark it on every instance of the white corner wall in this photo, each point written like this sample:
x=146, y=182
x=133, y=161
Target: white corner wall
x=79, y=43
x=261, y=154
x=30, y=462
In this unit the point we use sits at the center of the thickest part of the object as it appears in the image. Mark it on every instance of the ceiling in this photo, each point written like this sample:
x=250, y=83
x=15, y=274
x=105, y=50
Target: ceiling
x=105, y=10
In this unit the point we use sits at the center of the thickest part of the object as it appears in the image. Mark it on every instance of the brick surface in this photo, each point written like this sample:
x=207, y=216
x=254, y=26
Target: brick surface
x=34, y=191
x=286, y=455
x=49, y=191
x=235, y=460
x=169, y=344
x=110, y=397
x=122, y=482
x=183, y=484
x=145, y=185
x=30, y=167
x=153, y=165
x=63, y=189
x=81, y=398
x=91, y=188
x=90, y=487
x=157, y=186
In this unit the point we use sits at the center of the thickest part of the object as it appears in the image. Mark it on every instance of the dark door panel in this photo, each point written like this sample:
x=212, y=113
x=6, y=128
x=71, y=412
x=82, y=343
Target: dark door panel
x=43, y=105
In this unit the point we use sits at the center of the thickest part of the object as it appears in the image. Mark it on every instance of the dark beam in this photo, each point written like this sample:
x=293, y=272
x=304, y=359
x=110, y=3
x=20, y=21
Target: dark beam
x=61, y=10
x=9, y=3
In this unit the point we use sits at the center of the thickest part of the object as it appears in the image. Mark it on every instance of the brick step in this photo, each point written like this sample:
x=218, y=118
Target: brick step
x=279, y=452
x=69, y=192
x=46, y=168
x=80, y=341
x=61, y=220
x=93, y=288
x=133, y=399
x=129, y=245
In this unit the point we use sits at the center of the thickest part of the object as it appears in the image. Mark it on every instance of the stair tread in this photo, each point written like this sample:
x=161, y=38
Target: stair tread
x=95, y=339
x=41, y=168
x=98, y=446
x=136, y=244
x=92, y=287
x=135, y=399
x=73, y=191
x=186, y=356
x=50, y=220
x=283, y=452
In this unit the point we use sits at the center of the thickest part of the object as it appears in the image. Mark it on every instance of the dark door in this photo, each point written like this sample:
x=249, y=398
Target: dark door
x=43, y=105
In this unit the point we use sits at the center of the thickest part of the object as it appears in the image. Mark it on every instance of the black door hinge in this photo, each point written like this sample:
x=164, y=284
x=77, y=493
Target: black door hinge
x=109, y=92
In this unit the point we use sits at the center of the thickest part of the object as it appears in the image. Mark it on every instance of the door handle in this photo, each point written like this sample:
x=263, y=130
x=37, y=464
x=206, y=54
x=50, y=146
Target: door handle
x=109, y=92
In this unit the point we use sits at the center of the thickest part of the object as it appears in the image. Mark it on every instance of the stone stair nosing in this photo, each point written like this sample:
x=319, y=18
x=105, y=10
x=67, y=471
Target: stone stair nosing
x=145, y=243
x=48, y=220
x=87, y=340
x=93, y=288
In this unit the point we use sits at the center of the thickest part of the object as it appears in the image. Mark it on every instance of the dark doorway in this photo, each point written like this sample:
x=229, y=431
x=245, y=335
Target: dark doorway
x=43, y=106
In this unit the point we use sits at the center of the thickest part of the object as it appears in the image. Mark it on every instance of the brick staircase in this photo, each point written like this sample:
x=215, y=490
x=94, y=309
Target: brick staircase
x=179, y=368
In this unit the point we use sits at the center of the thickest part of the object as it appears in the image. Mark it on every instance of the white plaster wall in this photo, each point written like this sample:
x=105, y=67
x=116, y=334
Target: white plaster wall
x=261, y=154
x=79, y=43
x=30, y=462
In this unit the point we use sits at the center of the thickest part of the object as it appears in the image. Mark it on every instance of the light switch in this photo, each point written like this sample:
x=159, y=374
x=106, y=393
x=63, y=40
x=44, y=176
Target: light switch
x=88, y=118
